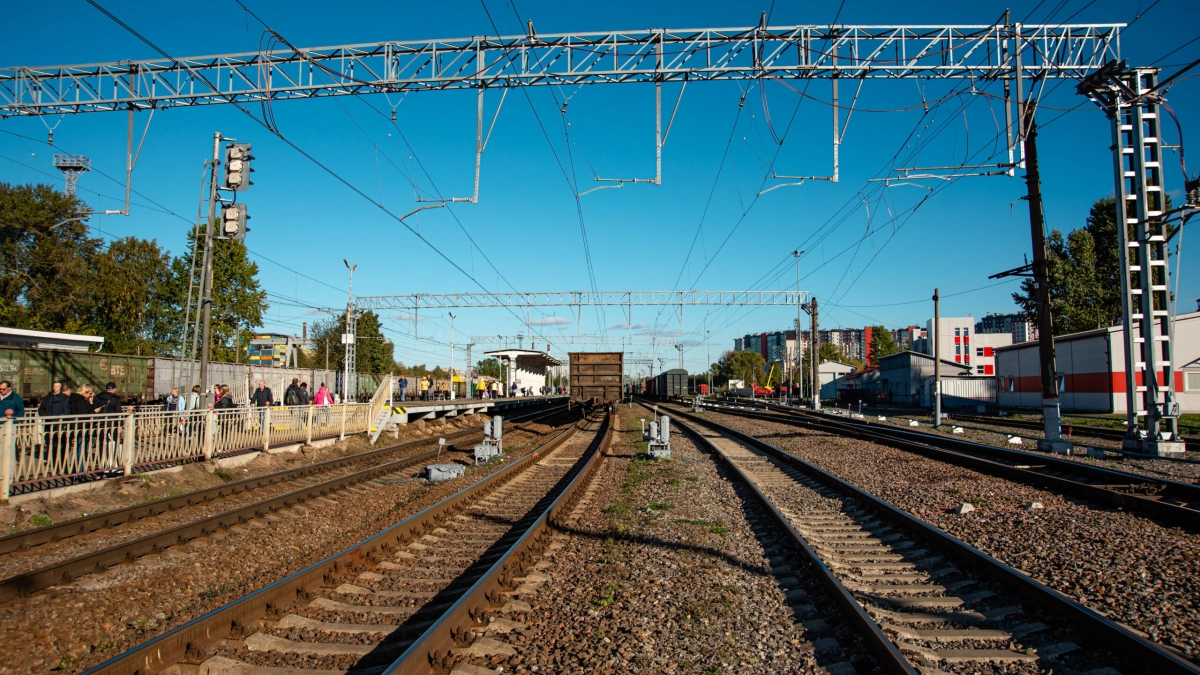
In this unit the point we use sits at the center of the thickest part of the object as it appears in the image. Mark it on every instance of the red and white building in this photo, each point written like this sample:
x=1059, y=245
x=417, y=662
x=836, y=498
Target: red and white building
x=1091, y=370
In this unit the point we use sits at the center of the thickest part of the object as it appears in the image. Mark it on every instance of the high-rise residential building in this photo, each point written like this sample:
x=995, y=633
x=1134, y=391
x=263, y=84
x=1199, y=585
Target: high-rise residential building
x=1016, y=325
x=775, y=347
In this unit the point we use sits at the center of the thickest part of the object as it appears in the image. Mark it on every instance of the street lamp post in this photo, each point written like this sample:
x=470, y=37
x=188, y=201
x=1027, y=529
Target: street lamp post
x=451, y=356
x=708, y=345
x=348, y=339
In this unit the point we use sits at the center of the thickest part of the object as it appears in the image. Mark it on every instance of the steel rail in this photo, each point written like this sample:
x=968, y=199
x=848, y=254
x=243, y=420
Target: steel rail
x=878, y=644
x=1090, y=626
x=85, y=524
x=194, y=636
x=434, y=646
x=1172, y=501
x=1192, y=444
x=64, y=571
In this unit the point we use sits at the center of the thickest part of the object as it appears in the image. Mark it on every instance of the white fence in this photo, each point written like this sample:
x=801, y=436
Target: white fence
x=44, y=452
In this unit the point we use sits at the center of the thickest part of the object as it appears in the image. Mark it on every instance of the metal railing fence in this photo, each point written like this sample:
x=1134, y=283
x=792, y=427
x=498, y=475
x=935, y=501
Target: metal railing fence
x=38, y=453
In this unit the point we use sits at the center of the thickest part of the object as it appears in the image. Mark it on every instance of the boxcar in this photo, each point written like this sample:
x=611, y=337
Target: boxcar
x=596, y=376
x=668, y=384
x=33, y=370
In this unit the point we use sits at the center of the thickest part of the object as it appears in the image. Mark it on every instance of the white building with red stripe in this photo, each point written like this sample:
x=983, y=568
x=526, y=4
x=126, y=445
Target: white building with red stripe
x=1091, y=370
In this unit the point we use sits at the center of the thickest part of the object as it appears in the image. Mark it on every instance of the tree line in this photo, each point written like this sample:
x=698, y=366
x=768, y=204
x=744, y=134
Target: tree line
x=130, y=291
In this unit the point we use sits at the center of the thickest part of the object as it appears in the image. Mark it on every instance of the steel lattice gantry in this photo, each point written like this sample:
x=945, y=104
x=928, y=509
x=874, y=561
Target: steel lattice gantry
x=421, y=301
x=1133, y=104
x=980, y=52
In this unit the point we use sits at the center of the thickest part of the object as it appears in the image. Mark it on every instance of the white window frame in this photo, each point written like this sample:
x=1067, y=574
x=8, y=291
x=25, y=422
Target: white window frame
x=1187, y=380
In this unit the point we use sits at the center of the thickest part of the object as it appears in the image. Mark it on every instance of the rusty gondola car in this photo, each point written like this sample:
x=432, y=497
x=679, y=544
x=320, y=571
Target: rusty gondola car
x=596, y=377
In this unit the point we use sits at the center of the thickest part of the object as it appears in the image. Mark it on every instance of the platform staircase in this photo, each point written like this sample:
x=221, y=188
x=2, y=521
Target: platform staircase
x=381, y=408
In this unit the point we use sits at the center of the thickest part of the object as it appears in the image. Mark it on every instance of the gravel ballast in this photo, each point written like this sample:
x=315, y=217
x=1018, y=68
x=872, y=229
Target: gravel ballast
x=672, y=567
x=1128, y=567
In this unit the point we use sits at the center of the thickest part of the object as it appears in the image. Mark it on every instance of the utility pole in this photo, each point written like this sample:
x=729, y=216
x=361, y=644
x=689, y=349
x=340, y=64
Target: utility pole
x=349, y=366
x=1051, y=414
x=937, y=360
x=206, y=274
x=799, y=338
x=451, y=356
x=816, y=357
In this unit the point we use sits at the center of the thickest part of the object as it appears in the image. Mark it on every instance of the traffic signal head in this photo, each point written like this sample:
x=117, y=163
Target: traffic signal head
x=237, y=166
x=233, y=222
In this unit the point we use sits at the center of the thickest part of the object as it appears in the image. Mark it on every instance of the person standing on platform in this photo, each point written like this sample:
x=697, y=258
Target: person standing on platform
x=11, y=403
x=481, y=388
x=262, y=398
x=403, y=387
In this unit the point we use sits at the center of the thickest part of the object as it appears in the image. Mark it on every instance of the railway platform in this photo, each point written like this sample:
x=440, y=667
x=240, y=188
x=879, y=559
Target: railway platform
x=410, y=412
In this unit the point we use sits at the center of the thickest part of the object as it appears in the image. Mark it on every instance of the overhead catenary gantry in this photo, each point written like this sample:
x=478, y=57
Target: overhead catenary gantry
x=978, y=52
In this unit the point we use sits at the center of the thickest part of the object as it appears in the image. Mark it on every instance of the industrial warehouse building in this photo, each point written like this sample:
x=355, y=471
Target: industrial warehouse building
x=1091, y=370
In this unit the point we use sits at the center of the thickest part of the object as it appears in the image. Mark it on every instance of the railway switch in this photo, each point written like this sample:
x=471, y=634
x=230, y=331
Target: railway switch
x=660, y=441
x=439, y=472
x=493, y=440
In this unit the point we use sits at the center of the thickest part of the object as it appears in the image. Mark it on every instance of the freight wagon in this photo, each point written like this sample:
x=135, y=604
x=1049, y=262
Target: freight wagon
x=144, y=379
x=596, y=376
x=669, y=384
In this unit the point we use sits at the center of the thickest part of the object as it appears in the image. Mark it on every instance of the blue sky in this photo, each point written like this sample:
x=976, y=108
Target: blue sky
x=525, y=232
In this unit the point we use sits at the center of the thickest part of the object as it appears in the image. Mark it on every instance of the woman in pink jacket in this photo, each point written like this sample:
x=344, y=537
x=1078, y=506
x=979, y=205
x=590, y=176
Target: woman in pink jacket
x=323, y=399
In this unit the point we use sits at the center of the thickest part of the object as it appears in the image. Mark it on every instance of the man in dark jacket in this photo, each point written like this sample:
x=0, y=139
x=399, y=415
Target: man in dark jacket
x=54, y=403
x=11, y=403
x=262, y=398
x=292, y=395
x=107, y=403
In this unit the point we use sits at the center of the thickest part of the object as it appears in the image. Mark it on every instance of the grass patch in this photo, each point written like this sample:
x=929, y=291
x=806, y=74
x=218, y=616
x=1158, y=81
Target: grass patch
x=673, y=481
x=606, y=599
x=955, y=491
x=620, y=507
x=221, y=473
x=661, y=506
x=40, y=520
x=717, y=527
x=977, y=502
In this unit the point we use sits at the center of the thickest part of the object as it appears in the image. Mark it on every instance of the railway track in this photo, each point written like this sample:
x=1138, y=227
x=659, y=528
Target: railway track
x=1171, y=501
x=921, y=598
x=414, y=597
x=1115, y=435
x=347, y=476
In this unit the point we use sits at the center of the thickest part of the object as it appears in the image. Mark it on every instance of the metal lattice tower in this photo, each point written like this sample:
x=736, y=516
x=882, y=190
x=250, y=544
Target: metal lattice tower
x=71, y=166
x=1131, y=102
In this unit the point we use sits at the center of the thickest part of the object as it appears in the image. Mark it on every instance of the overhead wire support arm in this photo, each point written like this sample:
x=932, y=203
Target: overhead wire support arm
x=1067, y=51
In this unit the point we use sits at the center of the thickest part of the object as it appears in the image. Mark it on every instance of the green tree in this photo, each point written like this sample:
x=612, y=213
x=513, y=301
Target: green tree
x=129, y=307
x=45, y=271
x=1085, y=273
x=743, y=365
x=237, y=301
x=489, y=367
x=373, y=352
x=882, y=344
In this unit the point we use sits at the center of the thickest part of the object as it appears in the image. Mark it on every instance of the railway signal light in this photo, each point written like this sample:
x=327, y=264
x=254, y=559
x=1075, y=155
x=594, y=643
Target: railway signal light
x=237, y=166
x=233, y=222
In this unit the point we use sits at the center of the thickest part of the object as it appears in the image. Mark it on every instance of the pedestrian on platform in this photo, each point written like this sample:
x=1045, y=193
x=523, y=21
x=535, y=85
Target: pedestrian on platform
x=481, y=388
x=403, y=387
x=262, y=398
x=424, y=388
x=11, y=403
x=55, y=403
x=107, y=402
x=291, y=396
x=323, y=400
x=225, y=402
x=513, y=390
x=305, y=396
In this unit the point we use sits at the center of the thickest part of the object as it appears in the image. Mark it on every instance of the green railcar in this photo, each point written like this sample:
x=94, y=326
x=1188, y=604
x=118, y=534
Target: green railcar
x=32, y=371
